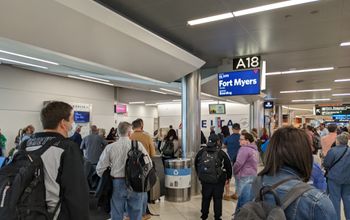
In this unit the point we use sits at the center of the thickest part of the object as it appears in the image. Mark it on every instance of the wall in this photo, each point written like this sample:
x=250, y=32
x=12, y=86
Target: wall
x=170, y=114
x=148, y=114
x=22, y=93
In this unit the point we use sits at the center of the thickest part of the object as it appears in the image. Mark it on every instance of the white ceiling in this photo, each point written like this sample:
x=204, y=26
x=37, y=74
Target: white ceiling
x=84, y=37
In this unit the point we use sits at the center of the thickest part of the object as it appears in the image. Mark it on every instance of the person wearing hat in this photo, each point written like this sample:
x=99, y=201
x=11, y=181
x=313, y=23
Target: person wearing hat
x=214, y=169
x=232, y=145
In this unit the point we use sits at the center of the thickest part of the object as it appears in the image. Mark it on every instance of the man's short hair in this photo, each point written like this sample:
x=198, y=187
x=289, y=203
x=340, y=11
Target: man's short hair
x=94, y=129
x=343, y=138
x=137, y=124
x=236, y=126
x=332, y=127
x=123, y=128
x=53, y=113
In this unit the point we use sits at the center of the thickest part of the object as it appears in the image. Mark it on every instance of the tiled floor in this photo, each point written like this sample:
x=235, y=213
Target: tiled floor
x=188, y=210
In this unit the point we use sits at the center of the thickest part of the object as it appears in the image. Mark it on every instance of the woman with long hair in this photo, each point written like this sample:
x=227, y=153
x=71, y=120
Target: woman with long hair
x=170, y=146
x=288, y=163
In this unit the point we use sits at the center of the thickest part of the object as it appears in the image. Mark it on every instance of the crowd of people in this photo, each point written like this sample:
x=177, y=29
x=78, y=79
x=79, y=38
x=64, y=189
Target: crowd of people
x=310, y=163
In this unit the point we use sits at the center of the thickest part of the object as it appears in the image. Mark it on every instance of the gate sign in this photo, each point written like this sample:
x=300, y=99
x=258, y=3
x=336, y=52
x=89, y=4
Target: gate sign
x=248, y=62
x=244, y=82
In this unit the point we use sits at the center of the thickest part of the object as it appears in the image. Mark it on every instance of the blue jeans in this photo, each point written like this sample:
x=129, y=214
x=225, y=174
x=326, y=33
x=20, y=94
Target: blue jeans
x=338, y=192
x=122, y=197
x=241, y=182
x=144, y=203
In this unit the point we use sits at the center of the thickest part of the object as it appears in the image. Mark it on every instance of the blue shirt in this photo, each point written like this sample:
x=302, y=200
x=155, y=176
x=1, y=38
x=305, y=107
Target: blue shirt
x=312, y=205
x=77, y=138
x=232, y=143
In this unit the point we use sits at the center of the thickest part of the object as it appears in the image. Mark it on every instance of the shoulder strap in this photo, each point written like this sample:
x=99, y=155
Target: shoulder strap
x=294, y=194
x=47, y=145
x=134, y=145
x=346, y=149
x=259, y=190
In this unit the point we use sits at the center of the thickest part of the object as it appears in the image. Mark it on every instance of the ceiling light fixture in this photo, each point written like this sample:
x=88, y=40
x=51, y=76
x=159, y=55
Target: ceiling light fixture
x=207, y=100
x=134, y=103
x=28, y=57
x=300, y=71
x=168, y=90
x=210, y=19
x=345, y=44
x=90, y=77
x=306, y=90
x=177, y=100
x=341, y=94
x=299, y=109
x=157, y=92
x=342, y=80
x=90, y=80
x=270, y=7
x=22, y=63
x=155, y=104
x=310, y=100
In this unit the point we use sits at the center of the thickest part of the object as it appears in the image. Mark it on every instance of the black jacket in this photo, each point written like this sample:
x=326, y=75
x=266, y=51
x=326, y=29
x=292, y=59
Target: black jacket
x=64, y=164
x=222, y=157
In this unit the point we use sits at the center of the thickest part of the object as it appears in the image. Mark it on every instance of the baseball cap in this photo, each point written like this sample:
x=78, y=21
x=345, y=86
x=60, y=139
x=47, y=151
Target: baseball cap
x=213, y=138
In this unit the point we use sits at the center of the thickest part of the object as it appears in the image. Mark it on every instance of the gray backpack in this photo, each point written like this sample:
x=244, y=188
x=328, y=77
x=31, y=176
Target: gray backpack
x=259, y=209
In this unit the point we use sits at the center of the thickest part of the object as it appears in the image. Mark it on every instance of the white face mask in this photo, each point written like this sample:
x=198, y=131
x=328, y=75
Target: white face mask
x=71, y=131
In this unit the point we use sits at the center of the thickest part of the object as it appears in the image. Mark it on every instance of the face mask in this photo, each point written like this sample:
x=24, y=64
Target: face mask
x=71, y=130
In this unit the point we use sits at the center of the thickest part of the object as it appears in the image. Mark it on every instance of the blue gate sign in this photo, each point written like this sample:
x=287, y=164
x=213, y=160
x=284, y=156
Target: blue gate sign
x=245, y=82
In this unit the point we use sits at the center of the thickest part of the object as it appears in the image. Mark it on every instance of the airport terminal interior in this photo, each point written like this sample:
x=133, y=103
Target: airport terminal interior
x=195, y=67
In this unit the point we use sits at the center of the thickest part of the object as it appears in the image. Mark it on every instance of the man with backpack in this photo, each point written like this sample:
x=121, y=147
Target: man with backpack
x=214, y=169
x=115, y=156
x=140, y=135
x=45, y=179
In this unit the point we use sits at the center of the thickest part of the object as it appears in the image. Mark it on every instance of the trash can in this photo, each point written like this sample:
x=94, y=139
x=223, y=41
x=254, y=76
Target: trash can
x=178, y=180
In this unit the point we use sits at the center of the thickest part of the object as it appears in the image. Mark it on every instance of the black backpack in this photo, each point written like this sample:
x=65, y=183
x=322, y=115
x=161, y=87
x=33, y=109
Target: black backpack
x=22, y=187
x=168, y=149
x=210, y=167
x=140, y=174
x=259, y=209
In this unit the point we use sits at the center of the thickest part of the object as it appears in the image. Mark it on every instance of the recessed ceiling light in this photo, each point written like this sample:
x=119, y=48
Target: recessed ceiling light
x=342, y=80
x=90, y=77
x=341, y=94
x=300, y=71
x=28, y=57
x=345, y=44
x=134, y=103
x=210, y=19
x=168, y=90
x=22, y=63
x=157, y=92
x=177, y=100
x=90, y=80
x=155, y=104
x=306, y=90
x=270, y=7
x=310, y=100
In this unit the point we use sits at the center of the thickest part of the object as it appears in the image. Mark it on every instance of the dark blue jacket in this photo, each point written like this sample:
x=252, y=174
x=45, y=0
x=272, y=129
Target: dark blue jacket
x=339, y=173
